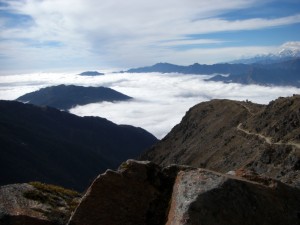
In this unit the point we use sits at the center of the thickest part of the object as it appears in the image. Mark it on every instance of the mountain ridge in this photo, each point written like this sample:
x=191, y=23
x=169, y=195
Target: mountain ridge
x=226, y=135
x=284, y=73
x=67, y=96
x=195, y=68
x=48, y=145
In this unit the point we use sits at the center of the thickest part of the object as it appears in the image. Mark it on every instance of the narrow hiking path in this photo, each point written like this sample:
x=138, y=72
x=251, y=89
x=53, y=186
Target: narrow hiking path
x=267, y=139
x=248, y=109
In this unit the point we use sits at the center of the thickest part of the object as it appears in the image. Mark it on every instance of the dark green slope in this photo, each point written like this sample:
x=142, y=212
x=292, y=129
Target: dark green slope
x=45, y=144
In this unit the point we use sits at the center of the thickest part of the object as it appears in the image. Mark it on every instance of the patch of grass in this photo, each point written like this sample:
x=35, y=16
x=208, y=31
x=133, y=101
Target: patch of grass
x=37, y=196
x=62, y=201
x=124, y=166
x=52, y=195
x=53, y=189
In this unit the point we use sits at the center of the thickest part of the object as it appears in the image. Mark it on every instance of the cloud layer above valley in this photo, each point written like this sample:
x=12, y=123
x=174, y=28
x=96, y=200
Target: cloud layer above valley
x=52, y=34
x=160, y=100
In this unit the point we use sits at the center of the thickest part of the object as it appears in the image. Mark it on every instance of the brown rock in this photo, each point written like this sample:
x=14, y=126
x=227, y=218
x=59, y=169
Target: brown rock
x=209, y=198
x=15, y=209
x=143, y=193
x=137, y=194
x=36, y=204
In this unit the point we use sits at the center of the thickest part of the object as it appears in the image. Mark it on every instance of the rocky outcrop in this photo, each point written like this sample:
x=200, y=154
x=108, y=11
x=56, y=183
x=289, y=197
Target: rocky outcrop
x=36, y=204
x=205, y=197
x=16, y=209
x=138, y=193
x=145, y=193
x=225, y=135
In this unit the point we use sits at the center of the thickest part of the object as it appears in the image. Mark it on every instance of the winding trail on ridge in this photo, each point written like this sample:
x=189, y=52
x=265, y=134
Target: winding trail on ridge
x=268, y=140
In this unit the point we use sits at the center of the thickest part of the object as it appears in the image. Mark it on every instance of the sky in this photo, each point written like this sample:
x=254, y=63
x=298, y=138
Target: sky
x=64, y=35
x=159, y=100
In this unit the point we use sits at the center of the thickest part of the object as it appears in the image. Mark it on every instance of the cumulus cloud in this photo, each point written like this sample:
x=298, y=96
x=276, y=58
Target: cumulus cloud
x=160, y=100
x=122, y=33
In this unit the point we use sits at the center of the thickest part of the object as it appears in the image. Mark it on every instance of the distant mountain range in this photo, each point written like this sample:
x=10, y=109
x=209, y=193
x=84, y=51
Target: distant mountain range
x=67, y=96
x=48, y=145
x=196, y=68
x=278, y=74
x=285, y=73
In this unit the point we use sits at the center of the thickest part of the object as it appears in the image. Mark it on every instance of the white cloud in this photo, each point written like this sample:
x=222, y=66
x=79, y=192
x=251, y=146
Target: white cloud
x=160, y=100
x=124, y=33
x=179, y=42
x=221, y=54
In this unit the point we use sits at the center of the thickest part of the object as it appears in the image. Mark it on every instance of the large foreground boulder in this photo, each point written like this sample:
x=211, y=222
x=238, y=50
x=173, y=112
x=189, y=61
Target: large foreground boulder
x=203, y=197
x=137, y=194
x=142, y=193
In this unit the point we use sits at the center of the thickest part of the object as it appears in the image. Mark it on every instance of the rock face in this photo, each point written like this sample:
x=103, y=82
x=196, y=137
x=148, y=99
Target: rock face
x=225, y=135
x=202, y=197
x=26, y=204
x=144, y=193
x=138, y=193
x=16, y=209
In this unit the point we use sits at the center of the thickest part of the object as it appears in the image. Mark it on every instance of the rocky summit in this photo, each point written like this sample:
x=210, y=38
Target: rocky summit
x=226, y=135
x=145, y=193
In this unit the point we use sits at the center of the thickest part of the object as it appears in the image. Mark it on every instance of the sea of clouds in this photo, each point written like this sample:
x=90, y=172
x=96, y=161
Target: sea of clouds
x=159, y=100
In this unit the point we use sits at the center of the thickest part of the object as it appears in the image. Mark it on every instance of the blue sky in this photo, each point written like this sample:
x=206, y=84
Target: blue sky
x=51, y=35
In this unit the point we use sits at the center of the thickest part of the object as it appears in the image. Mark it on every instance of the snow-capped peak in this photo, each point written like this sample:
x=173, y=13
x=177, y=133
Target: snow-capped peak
x=290, y=49
x=287, y=51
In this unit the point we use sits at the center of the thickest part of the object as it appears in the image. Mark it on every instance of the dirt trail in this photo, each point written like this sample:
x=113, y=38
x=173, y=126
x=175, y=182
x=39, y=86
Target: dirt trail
x=248, y=109
x=267, y=139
